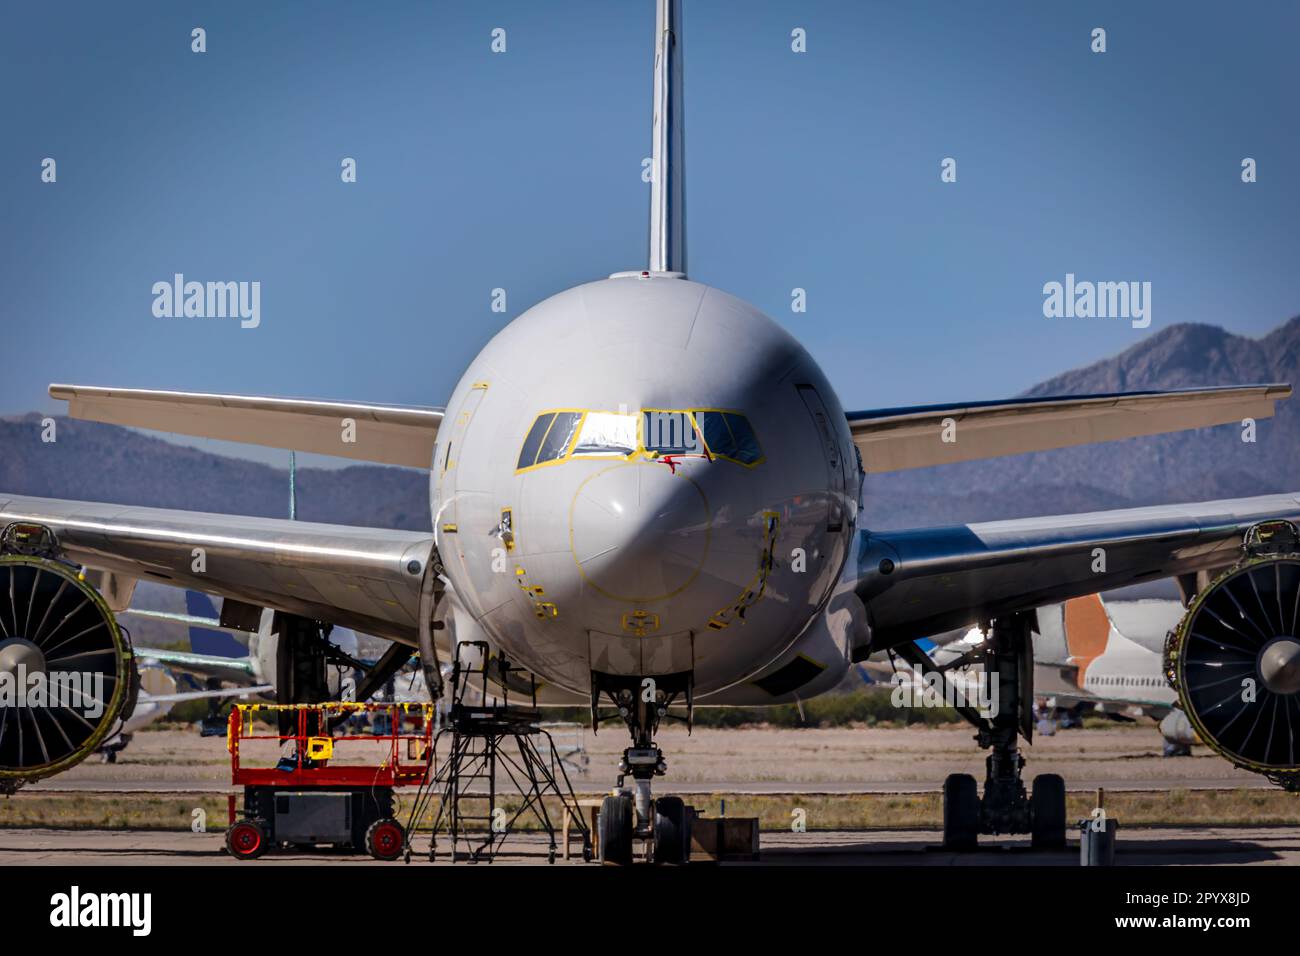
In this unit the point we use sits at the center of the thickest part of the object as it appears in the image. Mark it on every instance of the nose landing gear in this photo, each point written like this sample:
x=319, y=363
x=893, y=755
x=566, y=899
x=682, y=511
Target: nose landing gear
x=631, y=818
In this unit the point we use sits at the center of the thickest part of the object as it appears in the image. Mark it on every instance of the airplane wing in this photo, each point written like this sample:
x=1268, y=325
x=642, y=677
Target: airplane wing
x=923, y=581
x=894, y=439
x=205, y=694
x=388, y=434
x=364, y=578
x=194, y=621
x=236, y=670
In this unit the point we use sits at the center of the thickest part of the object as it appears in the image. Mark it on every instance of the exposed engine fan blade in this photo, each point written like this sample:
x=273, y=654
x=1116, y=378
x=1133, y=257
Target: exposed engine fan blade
x=65, y=669
x=1235, y=661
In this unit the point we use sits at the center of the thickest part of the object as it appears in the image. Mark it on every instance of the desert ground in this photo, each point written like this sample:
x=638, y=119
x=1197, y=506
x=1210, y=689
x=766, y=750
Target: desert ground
x=747, y=759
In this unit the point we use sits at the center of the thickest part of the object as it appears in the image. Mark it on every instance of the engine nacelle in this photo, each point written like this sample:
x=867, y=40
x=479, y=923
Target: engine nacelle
x=66, y=669
x=1235, y=657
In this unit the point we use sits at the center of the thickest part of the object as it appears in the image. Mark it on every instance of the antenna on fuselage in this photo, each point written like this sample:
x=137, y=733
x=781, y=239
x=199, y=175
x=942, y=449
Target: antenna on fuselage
x=667, y=163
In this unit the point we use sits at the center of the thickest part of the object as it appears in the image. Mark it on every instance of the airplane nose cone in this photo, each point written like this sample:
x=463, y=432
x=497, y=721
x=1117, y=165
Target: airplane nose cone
x=19, y=652
x=639, y=532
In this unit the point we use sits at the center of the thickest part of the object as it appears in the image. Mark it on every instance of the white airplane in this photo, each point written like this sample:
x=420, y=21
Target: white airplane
x=156, y=692
x=1110, y=653
x=256, y=658
x=256, y=670
x=256, y=667
x=645, y=491
x=1106, y=654
x=154, y=700
x=260, y=664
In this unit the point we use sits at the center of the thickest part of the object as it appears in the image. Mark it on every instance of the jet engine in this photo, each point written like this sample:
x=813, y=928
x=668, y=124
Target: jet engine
x=1235, y=657
x=66, y=674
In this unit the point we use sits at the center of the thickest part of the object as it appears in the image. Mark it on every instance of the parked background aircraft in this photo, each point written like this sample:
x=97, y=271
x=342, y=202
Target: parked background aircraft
x=220, y=654
x=1089, y=653
x=154, y=699
x=249, y=659
x=1111, y=654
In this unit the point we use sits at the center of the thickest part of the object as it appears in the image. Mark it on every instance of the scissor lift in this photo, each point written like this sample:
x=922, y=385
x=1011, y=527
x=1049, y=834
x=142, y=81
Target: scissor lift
x=308, y=799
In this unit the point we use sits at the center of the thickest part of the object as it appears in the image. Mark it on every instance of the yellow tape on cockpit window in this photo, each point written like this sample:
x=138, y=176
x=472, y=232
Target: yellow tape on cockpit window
x=540, y=445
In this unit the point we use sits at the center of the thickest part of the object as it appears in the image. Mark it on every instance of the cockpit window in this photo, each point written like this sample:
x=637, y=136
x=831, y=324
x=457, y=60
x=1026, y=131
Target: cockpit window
x=748, y=451
x=670, y=433
x=729, y=435
x=605, y=433
x=559, y=436
x=664, y=433
x=528, y=454
x=549, y=438
x=716, y=433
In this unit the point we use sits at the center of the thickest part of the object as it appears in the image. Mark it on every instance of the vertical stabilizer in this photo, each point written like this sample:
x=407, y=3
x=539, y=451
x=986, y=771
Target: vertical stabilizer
x=667, y=185
x=1087, y=631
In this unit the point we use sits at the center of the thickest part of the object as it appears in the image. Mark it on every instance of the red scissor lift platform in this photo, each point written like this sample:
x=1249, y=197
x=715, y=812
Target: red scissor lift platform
x=309, y=798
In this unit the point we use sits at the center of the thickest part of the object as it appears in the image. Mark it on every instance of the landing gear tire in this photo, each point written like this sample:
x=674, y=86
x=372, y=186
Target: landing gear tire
x=246, y=840
x=385, y=839
x=672, y=836
x=961, y=812
x=1047, y=812
x=615, y=824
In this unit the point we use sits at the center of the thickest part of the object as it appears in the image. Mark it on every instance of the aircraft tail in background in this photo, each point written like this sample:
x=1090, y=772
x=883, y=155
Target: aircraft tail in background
x=204, y=640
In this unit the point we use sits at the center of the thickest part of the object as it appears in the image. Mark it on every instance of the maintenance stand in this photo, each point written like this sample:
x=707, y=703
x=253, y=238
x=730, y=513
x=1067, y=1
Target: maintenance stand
x=480, y=726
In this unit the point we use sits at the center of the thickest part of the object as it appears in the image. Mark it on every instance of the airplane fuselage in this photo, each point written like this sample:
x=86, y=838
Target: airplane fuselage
x=641, y=476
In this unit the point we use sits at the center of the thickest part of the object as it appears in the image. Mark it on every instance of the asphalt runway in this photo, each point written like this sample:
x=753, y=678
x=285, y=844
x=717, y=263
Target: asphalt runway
x=1173, y=846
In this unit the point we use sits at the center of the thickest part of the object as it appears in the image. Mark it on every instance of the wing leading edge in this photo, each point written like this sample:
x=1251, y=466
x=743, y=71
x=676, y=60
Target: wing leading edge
x=388, y=434
x=894, y=439
x=363, y=578
x=920, y=582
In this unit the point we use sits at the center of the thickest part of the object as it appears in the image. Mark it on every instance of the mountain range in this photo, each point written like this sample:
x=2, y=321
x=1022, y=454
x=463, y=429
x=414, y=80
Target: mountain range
x=98, y=462
x=1196, y=465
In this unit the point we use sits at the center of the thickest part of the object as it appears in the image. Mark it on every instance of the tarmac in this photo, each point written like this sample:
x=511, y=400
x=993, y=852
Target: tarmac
x=831, y=762
x=738, y=761
x=704, y=787
x=1223, y=846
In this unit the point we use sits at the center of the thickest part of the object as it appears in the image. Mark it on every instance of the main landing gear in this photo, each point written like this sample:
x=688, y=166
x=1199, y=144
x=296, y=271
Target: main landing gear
x=633, y=823
x=1005, y=807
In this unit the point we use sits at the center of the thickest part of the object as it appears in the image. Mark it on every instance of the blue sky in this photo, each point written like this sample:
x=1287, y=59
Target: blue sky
x=522, y=170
